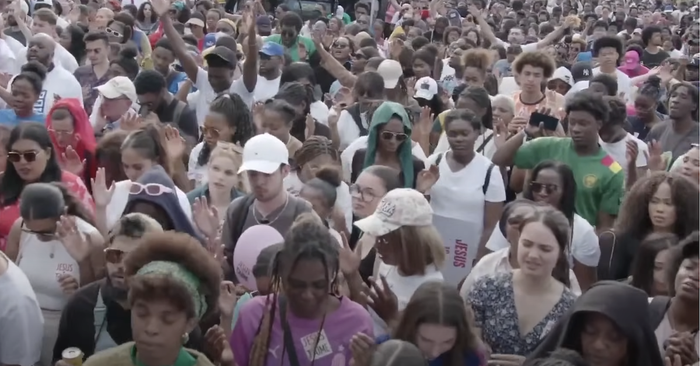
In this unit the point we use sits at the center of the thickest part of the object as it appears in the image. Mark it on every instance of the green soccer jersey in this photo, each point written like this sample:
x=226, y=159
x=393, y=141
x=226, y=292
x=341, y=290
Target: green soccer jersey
x=294, y=49
x=599, y=178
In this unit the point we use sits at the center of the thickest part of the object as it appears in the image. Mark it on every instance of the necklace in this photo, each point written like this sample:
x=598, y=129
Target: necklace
x=264, y=220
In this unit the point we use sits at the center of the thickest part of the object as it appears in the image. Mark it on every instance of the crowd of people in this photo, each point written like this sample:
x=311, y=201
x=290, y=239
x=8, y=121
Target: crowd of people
x=384, y=183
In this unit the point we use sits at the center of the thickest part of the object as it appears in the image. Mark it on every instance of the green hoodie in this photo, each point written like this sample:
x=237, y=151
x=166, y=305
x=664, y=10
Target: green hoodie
x=381, y=116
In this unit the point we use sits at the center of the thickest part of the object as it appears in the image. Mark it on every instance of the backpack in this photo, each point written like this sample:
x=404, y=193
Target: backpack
x=354, y=112
x=487, y=179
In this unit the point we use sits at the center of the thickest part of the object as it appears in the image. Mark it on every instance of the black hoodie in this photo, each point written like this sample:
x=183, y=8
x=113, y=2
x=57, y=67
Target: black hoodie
x=625, y=305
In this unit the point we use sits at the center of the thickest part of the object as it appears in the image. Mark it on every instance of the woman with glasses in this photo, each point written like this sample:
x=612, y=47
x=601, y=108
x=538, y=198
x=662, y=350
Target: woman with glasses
x=389, y=143
x=31, y=159
x=73, y=139
x=56, y=245
x=141, y=151
x=552, y=183
x=228, y=120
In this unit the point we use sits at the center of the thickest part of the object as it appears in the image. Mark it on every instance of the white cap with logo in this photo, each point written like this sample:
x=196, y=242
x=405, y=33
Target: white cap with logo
x=264, y=153
x=400, y=207
x=118, y=87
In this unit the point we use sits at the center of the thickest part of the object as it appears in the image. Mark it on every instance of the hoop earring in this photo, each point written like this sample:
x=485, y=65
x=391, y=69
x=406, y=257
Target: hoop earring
x=185, y=338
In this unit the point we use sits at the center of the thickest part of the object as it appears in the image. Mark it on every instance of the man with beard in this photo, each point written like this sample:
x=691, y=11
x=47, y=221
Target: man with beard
x=12, y=29
x=98, y=317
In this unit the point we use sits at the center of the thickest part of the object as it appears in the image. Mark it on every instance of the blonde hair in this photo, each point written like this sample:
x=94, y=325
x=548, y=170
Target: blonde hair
x=420, y=246
x=234, y=153
x=504, y=98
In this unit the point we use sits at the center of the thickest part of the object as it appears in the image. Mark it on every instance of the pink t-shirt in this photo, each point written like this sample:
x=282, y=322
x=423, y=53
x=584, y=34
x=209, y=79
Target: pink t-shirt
x=332, y=349
x=9, y=214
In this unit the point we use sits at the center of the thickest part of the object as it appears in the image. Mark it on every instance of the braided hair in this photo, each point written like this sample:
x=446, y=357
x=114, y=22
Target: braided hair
x=306, y=239
x=652, y=88
x=238, y=117
x=296, y=93
x=313, y=147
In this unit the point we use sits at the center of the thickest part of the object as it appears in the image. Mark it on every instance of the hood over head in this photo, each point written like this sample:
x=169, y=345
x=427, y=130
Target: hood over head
x=156, y=187
x=380, y=117
x=624, y=305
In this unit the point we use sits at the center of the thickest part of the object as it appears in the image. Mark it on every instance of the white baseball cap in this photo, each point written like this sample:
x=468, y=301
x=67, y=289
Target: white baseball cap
x=264, y=153
x=564, y=75
x=426, y=88
x=391, y=72
x=400, y=207
x=117, y=87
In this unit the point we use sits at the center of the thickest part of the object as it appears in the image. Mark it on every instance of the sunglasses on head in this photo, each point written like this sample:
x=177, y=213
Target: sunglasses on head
x=388, y=135
x=547, y=188
x=16, y=157
x=151, y=189
x=113, y=32
x=114, y=256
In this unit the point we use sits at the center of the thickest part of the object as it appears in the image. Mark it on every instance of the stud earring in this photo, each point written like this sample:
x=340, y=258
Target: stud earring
x=185, y=338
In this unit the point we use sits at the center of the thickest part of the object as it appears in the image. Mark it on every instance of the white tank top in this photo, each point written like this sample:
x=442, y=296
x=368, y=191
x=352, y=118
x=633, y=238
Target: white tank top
x=42, y=270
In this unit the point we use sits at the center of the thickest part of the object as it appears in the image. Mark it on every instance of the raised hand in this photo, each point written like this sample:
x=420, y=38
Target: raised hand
x=427, y=178
x=349, y=259
x=206, y=217
x=655, y=160
x=310, y=126
x=174, y=144
x=100, y=193
x=227, y=299
x=382, y=300
x=362, y=347
x=72, y=161
x=425, y=123
x=68, y=283
x=160, y=7
x=130, y=121
x=631, y=153
x=76, y=244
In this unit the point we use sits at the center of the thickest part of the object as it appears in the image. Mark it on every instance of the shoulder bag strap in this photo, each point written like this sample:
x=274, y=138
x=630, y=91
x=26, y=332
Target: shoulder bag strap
x=487, y=180
x=484, y=142
x=288, y=339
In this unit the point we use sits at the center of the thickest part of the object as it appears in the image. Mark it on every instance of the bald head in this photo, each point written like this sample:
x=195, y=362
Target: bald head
x=41, y=48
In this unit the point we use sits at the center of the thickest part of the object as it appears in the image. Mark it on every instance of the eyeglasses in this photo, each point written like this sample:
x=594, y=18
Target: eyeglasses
x=112, y=32
x=151, y=189
x=210, y=131
x=61, y=133
x=16, y=157
x=365, y=195
x=539, y=187
x=114, y=256
x=398, y=136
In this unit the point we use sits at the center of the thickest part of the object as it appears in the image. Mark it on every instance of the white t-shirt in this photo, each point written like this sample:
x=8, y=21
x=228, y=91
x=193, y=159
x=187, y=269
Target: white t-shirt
x=61, y=57
x=61, y=82
x=343, y=200
x=530, y=47
x=120, y=197
x=624, y=83
x=8, y=60
x=21, y=317
x=361, y=143
x=459, y=195
x=319, y=111
x=447, y=70
x=403, y=287
x=584, y=243
x=207, y=94
x=347, y=128
x=618, y=150
x=195, y=172
x=43, y=269
x=266, y=89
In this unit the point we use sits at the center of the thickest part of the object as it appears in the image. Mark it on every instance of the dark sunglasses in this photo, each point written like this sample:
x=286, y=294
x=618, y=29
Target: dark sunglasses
x=340, y=45
x=539, y=187
x=388, y=135
x=16, y=157
x=114, y=256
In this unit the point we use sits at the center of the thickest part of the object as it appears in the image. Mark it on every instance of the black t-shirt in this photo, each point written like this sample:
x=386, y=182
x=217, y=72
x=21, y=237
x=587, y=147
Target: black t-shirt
x=187, y=120
x=650, y=60
x=18, y=35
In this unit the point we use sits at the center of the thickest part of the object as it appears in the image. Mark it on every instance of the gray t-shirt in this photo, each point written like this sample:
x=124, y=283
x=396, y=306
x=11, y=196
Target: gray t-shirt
x=677, y=144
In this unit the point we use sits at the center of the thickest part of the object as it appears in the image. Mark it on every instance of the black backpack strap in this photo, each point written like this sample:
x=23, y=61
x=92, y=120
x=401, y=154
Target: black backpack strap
x=487, y=180
x=657, y=310
x=354, y=112
x=288, y=340
x=484, y=142
x=438, y=160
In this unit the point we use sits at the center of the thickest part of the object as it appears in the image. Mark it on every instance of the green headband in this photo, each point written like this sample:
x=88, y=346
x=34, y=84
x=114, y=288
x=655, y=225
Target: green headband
x=181, y=275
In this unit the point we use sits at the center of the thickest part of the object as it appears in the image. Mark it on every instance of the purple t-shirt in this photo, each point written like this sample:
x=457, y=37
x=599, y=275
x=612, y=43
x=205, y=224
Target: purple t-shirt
x=333, y=347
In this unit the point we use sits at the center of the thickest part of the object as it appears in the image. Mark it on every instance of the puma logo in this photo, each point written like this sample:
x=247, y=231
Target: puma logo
x=273, y=351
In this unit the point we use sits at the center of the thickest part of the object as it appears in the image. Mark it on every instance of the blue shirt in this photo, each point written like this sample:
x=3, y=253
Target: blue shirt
x=9, y=118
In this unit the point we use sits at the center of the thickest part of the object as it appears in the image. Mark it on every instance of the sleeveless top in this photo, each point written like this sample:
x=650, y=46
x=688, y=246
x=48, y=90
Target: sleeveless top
x=43, y=262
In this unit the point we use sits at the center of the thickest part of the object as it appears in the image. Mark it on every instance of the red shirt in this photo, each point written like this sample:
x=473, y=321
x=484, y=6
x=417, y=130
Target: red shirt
x=10, y=214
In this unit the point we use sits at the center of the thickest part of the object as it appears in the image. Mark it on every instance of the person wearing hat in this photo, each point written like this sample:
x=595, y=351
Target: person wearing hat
x=631, y=66
x=222, y=63
x=271, y=62
x=117, y=95
x=692, y=74
x=581, y=74
x=561, y=81
x=198, y=28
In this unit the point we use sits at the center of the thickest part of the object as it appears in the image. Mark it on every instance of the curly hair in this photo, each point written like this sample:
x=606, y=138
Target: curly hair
x=634, y=219
x=439, y=303
x=306, y=239
x=535, y=59
x=477, y=58
x=184, y=250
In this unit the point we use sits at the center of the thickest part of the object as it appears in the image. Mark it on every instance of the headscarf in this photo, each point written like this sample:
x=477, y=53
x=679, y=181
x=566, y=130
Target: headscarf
x=85, y=143
x=182, y=275
x=380, y=117
x=626, y=306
